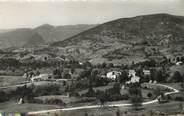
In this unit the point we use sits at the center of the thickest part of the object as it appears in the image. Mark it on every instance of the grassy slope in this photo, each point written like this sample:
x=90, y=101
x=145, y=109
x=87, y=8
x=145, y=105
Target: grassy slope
x=110, y=37
x=12, y=106
x=11, y=80
x=178, y=68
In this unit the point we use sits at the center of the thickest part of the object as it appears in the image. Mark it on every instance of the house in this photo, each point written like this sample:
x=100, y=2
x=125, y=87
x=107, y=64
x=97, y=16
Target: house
x=131, y=73
x=146, y=72
x=133, y=77
x=41, y=77
x=113, y=75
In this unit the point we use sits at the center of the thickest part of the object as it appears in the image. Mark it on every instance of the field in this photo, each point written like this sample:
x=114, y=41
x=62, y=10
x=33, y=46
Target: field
x=174, y=85
x=65, y=99
x=148, y=110
x=101, y=88
x=11, y=80
x=178, y=68
x=14, y=107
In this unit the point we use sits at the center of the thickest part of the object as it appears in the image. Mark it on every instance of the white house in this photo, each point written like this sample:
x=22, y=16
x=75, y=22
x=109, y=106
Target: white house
x=41, y=77
x=113, y=74
x=133, y=77
x=146, y=72
x=131, y=73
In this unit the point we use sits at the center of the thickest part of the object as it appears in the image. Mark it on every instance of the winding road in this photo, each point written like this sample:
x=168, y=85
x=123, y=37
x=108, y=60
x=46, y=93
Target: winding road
x=112, y=105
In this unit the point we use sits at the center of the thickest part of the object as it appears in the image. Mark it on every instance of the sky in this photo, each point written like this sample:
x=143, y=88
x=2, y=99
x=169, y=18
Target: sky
x=32, y=13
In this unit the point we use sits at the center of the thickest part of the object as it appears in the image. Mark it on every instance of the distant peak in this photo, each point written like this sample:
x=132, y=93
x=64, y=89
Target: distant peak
x=46, y=26
x=157, y=15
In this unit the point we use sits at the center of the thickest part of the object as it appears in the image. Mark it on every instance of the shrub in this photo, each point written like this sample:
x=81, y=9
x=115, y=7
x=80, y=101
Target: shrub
x=179, y=98
x=3, y=96
x=75, y=94
x=54, y=101
x=47, y=90
x=149, y=95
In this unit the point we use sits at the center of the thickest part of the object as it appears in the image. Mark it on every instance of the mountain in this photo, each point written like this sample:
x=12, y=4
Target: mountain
x=58, y=33
x=20, y=38
x=128, y=39
x=43, y=34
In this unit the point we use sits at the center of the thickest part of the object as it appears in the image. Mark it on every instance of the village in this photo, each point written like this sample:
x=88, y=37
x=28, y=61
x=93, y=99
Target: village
x=92, y=58
x=66, y=83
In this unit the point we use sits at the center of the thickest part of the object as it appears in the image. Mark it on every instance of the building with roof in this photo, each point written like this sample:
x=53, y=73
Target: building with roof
x=113, y=75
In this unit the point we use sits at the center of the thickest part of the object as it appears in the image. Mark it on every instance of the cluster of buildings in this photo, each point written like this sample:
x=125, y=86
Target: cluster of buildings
x=35, y=75
x=112, y=75
x=133, y=78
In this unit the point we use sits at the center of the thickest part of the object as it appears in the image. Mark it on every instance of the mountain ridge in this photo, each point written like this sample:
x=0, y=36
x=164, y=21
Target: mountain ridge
x=45, y=33
x=154, y=35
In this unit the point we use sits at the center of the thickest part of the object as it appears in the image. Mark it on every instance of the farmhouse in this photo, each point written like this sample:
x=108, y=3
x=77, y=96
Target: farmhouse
x=131, y=73
x=146, y=72
x=41, y=77
x=113, y=74
x=133, y=77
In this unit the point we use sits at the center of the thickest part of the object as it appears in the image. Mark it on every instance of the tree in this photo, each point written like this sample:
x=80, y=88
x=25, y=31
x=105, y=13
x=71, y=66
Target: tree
x=85, y=114
x=37, y=73
x=67, y=76
x=58, y=72
x=123, y=77
x=181, y=107
x=10, y=62
x=118, y=112
x=3, y=96
x=149, y=95
x=158, y=76
x=110, y=65
x=182, y=58
x=85, y=74
x=182, y=86
x=177, y=77
x=90, y=93
x=72, y=70
x=104, y=65
x=116, y=88
x=87, y=65
x=135, y=95
x=24, y=92
x=102, y=97
x=178, y=59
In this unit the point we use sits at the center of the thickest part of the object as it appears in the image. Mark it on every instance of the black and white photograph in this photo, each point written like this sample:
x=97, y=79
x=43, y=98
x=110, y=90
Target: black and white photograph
x=91, y=57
